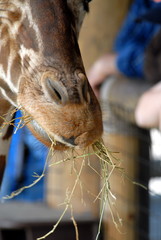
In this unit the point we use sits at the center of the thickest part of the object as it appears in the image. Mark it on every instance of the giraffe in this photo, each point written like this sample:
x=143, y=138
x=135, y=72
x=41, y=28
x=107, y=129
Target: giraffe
x=42, y=72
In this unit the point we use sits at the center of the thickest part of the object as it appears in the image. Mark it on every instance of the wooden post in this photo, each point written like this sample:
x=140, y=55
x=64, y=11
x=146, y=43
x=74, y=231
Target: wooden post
x=119, y=97
x=62, y=178
x=123, y=188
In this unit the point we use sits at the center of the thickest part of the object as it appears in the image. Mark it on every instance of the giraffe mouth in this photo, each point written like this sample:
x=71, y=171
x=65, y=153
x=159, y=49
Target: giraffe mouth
x=57, y=141
x=82, y=140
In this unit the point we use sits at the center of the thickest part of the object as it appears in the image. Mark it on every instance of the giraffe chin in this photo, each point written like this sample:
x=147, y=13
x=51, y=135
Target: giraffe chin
x=43, y=137
x=57, y=142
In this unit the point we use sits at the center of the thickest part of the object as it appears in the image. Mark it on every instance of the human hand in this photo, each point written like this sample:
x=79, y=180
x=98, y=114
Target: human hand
x=101, y=69
x=148, y=110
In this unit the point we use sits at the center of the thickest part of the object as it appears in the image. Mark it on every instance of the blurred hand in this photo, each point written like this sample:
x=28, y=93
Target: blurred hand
x=101, y=69
x=148, y=110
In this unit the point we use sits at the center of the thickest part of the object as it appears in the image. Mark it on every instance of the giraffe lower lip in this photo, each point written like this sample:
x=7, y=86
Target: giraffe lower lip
x=66, y=142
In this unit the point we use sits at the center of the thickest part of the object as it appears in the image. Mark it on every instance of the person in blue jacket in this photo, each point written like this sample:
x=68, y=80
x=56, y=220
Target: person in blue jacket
x=151, y=117
x=129, y=47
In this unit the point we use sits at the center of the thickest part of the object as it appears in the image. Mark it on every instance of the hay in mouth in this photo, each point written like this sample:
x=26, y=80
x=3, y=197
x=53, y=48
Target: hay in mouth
x=108, y=164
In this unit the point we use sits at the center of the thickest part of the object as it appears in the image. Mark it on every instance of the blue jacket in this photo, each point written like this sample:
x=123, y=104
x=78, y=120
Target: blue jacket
x=133, y=39
x=27, y=156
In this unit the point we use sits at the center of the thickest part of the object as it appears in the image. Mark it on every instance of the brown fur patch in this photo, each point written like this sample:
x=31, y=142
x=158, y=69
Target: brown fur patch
x=4, y=53
x=14, y=16
x=2, y=166
x=27, y=36
x=4, y=85
x=4, y=32
x=16, y=70
x=8, y=133
x=4, y=108
x=9, y=93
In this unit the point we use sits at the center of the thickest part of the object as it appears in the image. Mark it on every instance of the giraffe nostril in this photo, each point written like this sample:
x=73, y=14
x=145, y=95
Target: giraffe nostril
x=55, y=91
x=53, y=88
x=84, y=86
x=85, y=92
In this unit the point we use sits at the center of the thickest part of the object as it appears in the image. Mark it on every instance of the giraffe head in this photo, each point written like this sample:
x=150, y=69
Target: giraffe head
x=52, y=86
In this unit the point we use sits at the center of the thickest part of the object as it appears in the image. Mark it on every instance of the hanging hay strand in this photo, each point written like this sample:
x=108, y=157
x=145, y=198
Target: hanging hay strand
x=108, y=164
x=17, y=123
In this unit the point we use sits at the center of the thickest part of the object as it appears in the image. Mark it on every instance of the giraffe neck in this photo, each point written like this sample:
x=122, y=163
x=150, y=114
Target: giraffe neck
x=11, y=19
x=18, y=45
